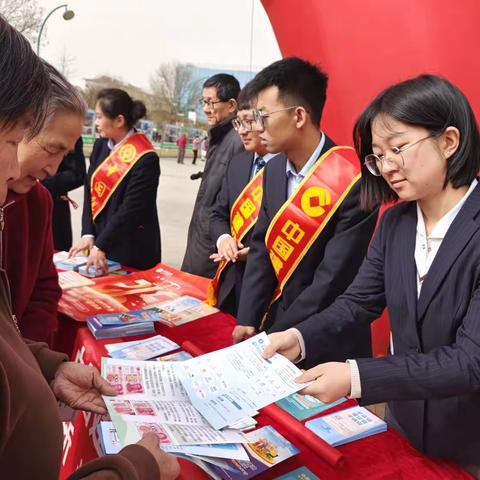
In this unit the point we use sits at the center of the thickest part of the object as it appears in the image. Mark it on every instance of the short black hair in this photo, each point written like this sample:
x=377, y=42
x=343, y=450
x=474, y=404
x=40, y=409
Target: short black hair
x=115, y=101
x=299, y=83
x=227, y=86
x=246, y=98
x=426, y=101
x=24, y=83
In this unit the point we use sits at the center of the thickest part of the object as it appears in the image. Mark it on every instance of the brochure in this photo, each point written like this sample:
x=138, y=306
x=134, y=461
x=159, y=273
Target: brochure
x=305, y=406
x=346, y=425
x=266, y=448
x=70, y=279
x=302, y=473
x=100, y=331
x=145, y=349
x=92, y=273
x=232, y=383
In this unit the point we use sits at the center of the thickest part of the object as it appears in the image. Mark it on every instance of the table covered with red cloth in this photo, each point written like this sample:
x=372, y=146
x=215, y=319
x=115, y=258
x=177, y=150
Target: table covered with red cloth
x=386, y=456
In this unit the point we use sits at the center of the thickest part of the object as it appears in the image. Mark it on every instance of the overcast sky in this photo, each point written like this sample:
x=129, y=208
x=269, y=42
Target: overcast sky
x=130, y=38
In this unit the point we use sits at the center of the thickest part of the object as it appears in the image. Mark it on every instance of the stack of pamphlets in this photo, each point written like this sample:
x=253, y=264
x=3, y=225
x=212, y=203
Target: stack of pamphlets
x=346, y=425
x=92, y=273
x=144, y=349
x=62, y=262
x=305, y=406
x=200, y=407
x=102, y=330
x=71, y=279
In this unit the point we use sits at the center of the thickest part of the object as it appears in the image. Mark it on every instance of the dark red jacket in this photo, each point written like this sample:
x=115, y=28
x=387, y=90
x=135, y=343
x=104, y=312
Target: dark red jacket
x=27, y=258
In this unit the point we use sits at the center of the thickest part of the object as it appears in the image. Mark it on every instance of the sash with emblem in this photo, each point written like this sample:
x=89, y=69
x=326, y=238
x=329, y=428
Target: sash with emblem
x=109, y=174
x=303, y=217
x=243, y=216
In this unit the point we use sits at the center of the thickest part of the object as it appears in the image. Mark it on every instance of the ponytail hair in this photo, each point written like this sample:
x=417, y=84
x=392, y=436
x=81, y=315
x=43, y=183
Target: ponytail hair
x=114, y=102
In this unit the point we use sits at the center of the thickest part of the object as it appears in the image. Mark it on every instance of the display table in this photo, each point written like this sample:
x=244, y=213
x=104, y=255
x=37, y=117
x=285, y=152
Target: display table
x=386, y=456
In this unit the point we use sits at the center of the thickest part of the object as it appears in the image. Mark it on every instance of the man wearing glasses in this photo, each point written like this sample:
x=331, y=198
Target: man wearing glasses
x=219, y=101
x=311, y=234
x=236, y=209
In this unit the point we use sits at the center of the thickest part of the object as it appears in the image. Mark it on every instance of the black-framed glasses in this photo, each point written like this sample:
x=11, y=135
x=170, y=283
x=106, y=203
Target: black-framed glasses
x=209, y=103
x=260, y=116
x=375, y=163
x=245, y=123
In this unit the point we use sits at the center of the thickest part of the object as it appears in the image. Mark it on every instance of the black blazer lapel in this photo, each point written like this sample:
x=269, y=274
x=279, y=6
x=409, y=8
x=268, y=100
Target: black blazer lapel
x=244, y=170
x=406, y=246
x=457, y=237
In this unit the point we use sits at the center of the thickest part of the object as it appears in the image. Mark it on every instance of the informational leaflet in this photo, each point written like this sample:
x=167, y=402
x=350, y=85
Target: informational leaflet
x=151, y=398
x=232, y=383
x=145, y=349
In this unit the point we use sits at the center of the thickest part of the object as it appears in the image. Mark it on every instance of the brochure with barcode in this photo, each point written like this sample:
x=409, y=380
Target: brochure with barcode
x=346, y=425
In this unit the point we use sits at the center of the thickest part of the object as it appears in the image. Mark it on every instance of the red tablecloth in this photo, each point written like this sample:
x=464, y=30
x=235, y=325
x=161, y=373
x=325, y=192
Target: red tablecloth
x=386, y=456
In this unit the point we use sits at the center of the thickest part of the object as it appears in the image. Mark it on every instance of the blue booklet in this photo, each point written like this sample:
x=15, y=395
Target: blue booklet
x=100, y=331
x=305, y=406
x=346, y=425
x=128, y=317
x=302, y=473
x=111, y=267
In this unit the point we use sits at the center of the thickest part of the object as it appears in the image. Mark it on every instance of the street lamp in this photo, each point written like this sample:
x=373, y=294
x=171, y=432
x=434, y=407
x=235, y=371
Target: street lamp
x=67, y=15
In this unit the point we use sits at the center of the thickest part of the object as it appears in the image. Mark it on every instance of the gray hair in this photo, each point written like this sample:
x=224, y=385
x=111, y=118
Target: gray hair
x=64, y=97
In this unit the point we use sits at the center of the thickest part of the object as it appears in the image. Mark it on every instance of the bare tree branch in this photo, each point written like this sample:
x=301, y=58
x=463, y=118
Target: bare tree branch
x=25, y=15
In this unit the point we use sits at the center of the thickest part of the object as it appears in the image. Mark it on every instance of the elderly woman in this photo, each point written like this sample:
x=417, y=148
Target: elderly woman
x=31, y=375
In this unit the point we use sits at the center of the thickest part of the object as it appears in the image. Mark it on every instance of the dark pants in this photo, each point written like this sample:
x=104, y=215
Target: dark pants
x=195, y=153
x=181, y=155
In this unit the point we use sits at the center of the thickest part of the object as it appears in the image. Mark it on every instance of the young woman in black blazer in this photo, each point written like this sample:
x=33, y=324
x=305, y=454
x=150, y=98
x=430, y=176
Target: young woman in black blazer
x=127, y=228
x=419, y=143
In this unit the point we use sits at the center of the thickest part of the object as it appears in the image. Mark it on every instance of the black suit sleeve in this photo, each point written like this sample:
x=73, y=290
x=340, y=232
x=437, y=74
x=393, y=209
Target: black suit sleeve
x=363, y=302
x=343, y=256
x=259, y=280
x=71, y=173
x=141, y=192
x=220, y=216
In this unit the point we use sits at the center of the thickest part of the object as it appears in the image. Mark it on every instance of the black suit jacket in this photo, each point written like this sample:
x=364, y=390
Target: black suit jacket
x=236, y=178
x=127, y=229
x=70, y=175
x=325, y=272
x=433, y=380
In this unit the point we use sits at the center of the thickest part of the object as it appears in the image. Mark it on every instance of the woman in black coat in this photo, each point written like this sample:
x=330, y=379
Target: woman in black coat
x=122, y=222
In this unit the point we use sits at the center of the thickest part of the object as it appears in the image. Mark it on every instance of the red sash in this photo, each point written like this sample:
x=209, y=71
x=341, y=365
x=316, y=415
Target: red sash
x=109, y=174
x=243, y=216
x=303, y=217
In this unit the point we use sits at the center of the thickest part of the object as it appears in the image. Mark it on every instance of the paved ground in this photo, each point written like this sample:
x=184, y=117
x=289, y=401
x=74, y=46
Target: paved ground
x=175, y=199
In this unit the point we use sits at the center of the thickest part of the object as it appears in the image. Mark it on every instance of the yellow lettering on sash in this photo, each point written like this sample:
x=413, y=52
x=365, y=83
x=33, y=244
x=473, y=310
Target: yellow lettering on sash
x=257, y=194
x=237, y=222
x=247, y=208
x=282, y=248
x=292, y=231
x=127, y=153
x=100, y=188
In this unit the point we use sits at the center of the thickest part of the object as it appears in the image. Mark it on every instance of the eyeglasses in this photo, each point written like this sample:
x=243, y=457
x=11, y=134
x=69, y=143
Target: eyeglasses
x=210, y=103
x=375, y=163
x=246, y=124
x=261, y=116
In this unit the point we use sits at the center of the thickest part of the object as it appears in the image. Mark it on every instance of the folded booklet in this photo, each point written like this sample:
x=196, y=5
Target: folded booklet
x=346, y=425
x=305, y=406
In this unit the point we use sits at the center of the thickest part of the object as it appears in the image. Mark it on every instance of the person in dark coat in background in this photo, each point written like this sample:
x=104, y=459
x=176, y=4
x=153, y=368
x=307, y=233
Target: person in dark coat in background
x=122, y=222
x=70, y=175
x=219, y=99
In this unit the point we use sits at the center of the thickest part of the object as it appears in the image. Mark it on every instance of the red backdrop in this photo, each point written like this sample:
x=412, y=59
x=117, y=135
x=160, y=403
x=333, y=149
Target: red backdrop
x=366, y=45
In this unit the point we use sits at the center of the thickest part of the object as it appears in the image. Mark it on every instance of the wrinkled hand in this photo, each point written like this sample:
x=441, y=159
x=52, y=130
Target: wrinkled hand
x=331, y=381
x=241, y=332
x=167, y=463
x=81, y=387
x=228, y=249
x=98, y=260
x=85, y=243
x=285, y=343
x=242, y=254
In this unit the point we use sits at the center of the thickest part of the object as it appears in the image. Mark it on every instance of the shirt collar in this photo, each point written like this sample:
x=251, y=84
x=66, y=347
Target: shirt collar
x=442, y=226
x=266, y=157
x=113, y=146
x=311, y=161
